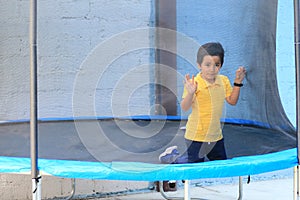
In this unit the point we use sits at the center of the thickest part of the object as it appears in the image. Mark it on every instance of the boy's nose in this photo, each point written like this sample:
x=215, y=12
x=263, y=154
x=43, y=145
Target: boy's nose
x=213, y=68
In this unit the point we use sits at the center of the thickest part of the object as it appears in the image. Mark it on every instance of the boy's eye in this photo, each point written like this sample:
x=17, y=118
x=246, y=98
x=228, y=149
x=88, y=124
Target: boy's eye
x=208, y=64
x=212, y=65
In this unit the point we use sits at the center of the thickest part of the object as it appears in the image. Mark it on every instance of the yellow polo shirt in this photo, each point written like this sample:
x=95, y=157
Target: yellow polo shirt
x=204, y=121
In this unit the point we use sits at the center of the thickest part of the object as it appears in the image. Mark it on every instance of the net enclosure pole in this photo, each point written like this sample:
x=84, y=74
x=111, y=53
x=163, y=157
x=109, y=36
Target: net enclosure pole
x=165, y=17
x=297, y=64
x=36, y=191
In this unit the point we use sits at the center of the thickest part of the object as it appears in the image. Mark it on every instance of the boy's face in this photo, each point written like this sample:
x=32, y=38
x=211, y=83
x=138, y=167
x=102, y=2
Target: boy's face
x=210, y=68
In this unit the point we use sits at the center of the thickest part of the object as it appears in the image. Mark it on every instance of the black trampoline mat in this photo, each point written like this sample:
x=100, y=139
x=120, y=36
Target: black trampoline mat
x=127, y=140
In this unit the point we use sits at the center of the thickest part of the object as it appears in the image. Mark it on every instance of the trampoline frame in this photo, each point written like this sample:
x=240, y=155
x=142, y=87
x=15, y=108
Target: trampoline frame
x=187, y=196
x=36, y=183
x=163, y=193
x=71, y=169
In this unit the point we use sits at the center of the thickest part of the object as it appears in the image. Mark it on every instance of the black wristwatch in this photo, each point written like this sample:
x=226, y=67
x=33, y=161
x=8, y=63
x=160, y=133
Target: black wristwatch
x=238, y=84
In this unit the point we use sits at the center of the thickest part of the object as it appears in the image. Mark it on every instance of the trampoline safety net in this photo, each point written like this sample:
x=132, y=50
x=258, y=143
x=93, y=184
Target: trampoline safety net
x=110, y=83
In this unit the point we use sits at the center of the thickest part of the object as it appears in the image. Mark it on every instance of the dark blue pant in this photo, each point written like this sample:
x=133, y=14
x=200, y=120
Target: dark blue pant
x=196, y=151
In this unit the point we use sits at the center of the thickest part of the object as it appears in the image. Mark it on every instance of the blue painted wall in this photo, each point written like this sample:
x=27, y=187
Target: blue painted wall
x=69, y=31
x=285, y=55
x=191, y=16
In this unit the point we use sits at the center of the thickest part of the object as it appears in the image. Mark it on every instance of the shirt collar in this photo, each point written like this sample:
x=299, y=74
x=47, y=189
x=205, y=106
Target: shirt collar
x=217, y=82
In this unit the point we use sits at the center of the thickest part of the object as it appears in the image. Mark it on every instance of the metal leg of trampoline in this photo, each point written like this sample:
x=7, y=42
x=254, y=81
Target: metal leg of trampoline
x=240, y=188
x=37, y=188
x=187, y=195
x=161, y=190
x=296, y=182
x=187, y=191
x=73, y=190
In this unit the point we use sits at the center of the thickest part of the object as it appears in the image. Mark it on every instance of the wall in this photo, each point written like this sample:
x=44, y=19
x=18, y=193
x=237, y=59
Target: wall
x=235, y=27
x=12, y=186
x=285, y=58
x=68, y=32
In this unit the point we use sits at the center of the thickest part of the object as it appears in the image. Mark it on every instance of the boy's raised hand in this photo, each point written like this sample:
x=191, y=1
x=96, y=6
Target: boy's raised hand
x=240, y=74
x=190, y=84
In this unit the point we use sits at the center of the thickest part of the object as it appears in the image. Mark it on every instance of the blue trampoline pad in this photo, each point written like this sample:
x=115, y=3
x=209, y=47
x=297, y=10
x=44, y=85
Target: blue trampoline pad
x=138, y=171
x=128, y=149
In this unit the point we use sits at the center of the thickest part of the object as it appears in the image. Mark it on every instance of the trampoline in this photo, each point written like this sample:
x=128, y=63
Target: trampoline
x=116, y=145
x=119, y=127
x=125, y=157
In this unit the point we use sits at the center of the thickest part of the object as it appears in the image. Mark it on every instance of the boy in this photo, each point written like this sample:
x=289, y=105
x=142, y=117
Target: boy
x=205, y=94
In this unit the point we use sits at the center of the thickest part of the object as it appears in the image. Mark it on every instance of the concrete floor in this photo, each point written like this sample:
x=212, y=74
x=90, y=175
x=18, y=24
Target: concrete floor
x=280, y=189
x=274, y=185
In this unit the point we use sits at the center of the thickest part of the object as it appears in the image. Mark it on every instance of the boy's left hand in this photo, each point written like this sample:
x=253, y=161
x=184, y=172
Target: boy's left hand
x=240, y=74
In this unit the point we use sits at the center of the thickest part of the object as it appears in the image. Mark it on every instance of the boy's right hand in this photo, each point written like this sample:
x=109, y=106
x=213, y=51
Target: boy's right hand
x=190, y=84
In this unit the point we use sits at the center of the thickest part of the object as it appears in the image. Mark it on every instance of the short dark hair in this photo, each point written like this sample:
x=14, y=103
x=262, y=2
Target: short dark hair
x=212, y=49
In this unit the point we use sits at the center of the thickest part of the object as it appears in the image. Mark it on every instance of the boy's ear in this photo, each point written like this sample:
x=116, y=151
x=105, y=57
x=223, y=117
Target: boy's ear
x=198, y=65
